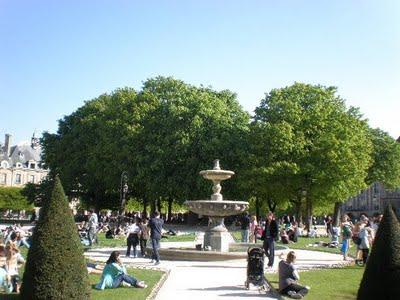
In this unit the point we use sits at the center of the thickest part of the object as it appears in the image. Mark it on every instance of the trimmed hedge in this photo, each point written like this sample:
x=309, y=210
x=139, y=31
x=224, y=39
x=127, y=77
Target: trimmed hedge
x=55, y=267
x=381, y=278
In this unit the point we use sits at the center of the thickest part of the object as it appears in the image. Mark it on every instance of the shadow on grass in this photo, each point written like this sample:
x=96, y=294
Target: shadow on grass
x=4, y=296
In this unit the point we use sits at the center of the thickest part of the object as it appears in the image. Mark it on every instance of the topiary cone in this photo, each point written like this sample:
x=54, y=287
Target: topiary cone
x=55, y=267
x=381, y=278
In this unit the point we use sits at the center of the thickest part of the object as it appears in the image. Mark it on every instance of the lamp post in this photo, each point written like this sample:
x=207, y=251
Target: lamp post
x=123, y=191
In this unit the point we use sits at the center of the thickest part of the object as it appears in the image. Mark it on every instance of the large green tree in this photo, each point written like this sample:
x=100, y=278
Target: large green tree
x=162, y=136
x=308, y=147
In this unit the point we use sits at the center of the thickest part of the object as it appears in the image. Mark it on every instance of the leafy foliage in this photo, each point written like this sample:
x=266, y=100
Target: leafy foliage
x=386, y=160
x=55, y=267
x=162, y=136
x=13, y=198
x=382, y=272
x=307, y=144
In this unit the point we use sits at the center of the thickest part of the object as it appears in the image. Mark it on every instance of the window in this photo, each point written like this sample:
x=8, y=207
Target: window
x=32, y=165
x=3, y=178
x=18, y=178
x=32, y=178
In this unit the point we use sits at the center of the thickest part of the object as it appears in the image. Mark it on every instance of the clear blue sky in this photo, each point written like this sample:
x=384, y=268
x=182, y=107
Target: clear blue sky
x=54, y=55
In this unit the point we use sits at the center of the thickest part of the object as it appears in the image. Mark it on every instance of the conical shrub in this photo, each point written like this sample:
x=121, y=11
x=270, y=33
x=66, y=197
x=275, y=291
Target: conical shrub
x=381, y=278
x=55, y=267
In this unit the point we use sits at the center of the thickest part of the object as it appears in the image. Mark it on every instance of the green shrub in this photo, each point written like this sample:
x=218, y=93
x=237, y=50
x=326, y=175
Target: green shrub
x=12, y=198
x=381, y=278
x=55, y=267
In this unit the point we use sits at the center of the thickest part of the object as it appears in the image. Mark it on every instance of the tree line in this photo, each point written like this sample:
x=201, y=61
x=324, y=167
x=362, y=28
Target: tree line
x=302, y=149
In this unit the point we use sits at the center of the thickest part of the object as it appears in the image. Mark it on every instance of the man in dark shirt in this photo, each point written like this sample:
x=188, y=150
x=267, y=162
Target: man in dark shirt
x=156, y=224
x=269, y=235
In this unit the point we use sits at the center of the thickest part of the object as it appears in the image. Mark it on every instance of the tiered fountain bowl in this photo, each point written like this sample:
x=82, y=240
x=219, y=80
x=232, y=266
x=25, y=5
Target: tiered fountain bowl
x=217, y=237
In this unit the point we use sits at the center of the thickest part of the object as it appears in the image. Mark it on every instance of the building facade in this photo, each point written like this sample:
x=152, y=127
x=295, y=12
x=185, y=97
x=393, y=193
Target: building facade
x=372, y=200
x=20, y=164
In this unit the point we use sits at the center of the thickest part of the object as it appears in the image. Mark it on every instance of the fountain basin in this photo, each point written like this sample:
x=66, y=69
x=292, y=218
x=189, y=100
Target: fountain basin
x=236, y=251
x=217, y=175
x=214, y=208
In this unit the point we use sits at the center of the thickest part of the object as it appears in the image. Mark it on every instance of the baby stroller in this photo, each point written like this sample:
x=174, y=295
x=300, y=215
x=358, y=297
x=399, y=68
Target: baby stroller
x=255, y=269
x=84, y=237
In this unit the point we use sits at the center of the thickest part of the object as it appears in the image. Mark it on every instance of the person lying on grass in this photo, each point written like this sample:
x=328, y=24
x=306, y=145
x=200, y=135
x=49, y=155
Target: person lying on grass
x=114, y=274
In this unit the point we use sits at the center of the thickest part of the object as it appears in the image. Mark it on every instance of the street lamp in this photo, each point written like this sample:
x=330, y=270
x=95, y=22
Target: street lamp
x=124, y=191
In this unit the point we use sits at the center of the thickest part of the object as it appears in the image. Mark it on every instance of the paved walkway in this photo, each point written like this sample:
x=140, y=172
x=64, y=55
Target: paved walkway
x=215, y=280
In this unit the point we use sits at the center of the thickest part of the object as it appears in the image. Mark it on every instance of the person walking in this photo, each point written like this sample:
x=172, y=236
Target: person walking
x=144, y=236
x=347, y=233
x=156, y=224
x=269, y=235
x=92, y=227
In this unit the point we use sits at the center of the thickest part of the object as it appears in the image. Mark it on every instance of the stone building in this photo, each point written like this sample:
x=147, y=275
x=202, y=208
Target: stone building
x=372, y=200
x=20, y=164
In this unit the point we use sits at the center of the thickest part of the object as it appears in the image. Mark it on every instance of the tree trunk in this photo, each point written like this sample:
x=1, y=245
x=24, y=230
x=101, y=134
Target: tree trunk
x=145, y=207
x=308, y=214
x=257, y=209
x=337, y=214
x=159, y=205
x=170, y=201
x=153, y=206
x=298, y=210
x=271, y=205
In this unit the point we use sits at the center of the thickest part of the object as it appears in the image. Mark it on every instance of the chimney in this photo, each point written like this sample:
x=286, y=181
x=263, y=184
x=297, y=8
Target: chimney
x=7, y=144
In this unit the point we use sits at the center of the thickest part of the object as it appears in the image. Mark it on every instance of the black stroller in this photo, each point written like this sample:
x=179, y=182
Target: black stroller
x=255, y=269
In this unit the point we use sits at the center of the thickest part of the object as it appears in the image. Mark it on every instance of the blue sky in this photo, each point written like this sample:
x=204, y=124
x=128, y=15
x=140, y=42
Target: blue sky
x=54, y=55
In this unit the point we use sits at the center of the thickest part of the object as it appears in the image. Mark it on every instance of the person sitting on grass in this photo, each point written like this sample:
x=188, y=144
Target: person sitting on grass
x=288, y=277
x=114, y=274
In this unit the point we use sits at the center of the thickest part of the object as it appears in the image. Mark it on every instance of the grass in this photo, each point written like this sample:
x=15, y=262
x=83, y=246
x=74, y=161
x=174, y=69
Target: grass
x=303, y=243
x=328, y=284
x=121, y=242
x=151, y=277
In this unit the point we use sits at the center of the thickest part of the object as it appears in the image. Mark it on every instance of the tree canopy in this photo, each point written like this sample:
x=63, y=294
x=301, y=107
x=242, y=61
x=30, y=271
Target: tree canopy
x=162, y=136
x=307, y=144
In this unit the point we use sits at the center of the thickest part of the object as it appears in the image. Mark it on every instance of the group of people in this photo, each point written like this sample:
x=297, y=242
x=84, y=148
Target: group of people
x=13, y=237
x=361, y=233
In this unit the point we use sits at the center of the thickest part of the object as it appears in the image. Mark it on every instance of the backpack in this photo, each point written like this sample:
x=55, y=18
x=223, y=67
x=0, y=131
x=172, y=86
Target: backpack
x=347, y=234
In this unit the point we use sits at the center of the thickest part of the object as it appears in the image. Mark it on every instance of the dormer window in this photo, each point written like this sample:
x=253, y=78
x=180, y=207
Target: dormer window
x=32, y=165
x=21, y=155
x=4, y=164
x=18, y=165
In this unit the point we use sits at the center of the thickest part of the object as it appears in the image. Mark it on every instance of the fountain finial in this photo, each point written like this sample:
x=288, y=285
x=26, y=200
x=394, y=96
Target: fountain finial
x=216, y=165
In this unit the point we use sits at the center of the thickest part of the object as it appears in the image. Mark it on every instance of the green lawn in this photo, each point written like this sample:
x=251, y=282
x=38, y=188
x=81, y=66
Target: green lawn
x=121, y=242
x=151, y=277
x=304, y=242
x=328, y=284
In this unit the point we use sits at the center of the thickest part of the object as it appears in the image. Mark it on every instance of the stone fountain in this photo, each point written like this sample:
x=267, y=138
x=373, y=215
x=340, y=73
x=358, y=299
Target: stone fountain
x=217, y=237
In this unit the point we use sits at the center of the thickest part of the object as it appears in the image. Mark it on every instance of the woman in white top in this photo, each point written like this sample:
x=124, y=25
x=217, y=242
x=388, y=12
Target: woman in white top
x=133, y=234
